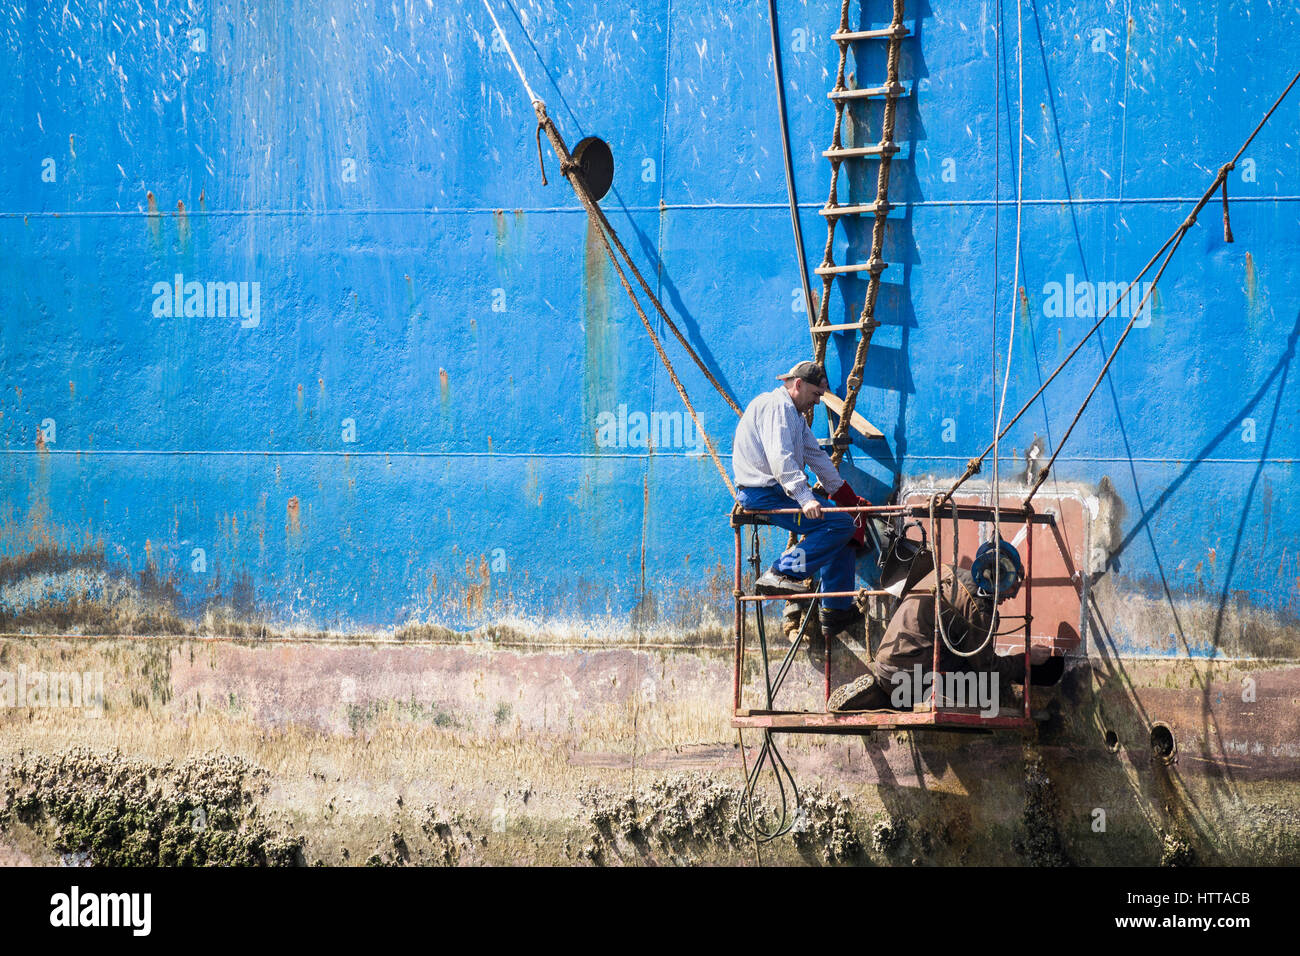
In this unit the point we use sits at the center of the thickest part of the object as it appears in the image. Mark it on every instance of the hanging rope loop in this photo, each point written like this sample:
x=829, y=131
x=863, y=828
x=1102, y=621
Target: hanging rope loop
x=1227, y=226
x=541, y=161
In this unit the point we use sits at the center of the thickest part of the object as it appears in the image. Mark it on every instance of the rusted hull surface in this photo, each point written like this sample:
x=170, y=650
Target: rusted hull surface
x=347, y=731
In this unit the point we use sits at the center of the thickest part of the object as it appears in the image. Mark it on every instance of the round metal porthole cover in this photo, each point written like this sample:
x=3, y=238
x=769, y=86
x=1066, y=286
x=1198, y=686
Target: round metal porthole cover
x=596, y=163
x=1163, y=746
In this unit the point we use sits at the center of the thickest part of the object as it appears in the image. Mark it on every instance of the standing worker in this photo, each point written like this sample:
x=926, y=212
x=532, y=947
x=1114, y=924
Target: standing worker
x=773, y=445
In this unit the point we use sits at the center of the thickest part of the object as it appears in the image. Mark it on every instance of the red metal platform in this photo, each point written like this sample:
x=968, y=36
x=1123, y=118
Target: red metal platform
x=869, y=721
x=966, y=720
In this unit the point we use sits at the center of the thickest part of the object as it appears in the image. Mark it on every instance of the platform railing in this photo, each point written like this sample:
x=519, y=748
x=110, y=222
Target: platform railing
x=936, y=715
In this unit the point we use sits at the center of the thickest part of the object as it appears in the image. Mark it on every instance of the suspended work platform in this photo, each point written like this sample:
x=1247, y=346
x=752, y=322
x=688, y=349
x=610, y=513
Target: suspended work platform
x=924, y=716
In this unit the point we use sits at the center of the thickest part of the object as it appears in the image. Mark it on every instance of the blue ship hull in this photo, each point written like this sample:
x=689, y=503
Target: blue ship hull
x=295, y=341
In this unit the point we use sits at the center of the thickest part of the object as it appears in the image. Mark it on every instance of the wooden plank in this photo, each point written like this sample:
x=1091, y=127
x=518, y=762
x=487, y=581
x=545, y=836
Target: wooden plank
x=872, y=265
x=899, y=31
x=856, y=422
x=858, y=152
x=866, y=92
x=861, y=209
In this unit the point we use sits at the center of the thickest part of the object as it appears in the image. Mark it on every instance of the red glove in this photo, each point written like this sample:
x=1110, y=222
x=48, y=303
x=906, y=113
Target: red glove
x=846, y=497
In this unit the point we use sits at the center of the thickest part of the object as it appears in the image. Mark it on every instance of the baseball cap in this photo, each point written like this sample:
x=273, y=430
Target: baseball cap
x=810, y=372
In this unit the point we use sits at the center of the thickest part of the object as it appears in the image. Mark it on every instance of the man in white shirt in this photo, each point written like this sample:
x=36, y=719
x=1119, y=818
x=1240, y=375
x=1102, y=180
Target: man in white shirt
x=773, y=445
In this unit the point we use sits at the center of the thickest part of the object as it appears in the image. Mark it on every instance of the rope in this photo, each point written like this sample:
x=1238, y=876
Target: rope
x=654, y=300
x=1015, y=305
x=938, y=585
x=605, y=230
x=973, y=466
x=1182, y=231
x=567, y=167
x=779, y=74
x=867, y=319
x=571, y=172
x=1219, y=180
x=532, y=97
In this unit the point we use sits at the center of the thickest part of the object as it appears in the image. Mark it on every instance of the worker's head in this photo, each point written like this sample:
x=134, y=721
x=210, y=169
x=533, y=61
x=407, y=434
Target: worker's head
x=1002, y=560
x=806, y=383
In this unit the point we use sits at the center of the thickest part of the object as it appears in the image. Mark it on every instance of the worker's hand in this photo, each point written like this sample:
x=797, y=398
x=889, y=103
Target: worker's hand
x=846, y=497
x=812, y=510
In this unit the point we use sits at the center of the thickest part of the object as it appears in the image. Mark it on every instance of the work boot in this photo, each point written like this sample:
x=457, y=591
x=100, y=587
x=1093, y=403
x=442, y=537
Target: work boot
x=842, y=624
x=865, y=693
x=792, y=620
x=774, y=582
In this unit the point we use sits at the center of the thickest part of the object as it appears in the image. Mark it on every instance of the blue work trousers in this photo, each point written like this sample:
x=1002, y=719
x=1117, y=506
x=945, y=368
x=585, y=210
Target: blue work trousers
x=826, y=547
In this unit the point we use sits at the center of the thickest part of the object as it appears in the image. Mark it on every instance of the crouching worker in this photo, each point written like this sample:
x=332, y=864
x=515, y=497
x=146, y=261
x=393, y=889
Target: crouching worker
x=902, y=672
x=773, y=446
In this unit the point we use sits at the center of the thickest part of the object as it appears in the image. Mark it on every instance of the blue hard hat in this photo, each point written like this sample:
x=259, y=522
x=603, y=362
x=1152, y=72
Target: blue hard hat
x=1010, y=574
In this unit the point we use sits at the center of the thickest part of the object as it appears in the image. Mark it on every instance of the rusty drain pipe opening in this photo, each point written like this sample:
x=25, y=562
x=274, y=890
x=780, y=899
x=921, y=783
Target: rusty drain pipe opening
x=1163, y=745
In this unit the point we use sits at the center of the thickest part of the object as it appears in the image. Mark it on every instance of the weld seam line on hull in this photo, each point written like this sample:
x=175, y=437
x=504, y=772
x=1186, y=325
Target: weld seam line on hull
x=1125, y=458
x=582, y=455
x=574, y=210
x=353, y=454
x=722, y=648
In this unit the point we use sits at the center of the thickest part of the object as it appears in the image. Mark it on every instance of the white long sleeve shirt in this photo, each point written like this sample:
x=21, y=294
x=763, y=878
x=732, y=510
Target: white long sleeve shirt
x=773, y=446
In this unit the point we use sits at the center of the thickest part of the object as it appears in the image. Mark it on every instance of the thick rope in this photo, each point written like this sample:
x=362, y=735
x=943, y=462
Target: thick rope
x=535, y=99
x=606, y=232
x=975, y=464
x=837, y=142
x=574, y=175
x=1182, y=231
x=654, y=300
x=867, y=318
x=1219, y=180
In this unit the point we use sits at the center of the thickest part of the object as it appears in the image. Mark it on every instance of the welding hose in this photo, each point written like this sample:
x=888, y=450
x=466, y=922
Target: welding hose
x=779, y=74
